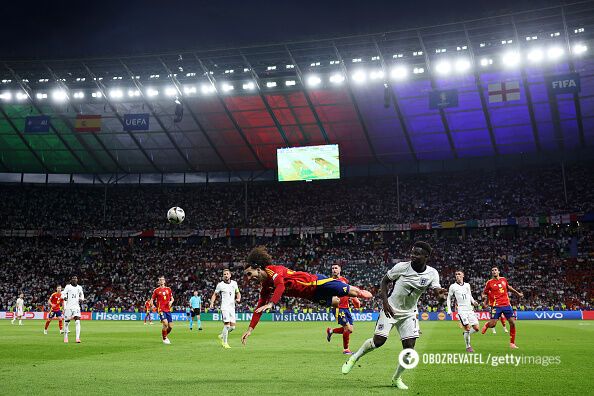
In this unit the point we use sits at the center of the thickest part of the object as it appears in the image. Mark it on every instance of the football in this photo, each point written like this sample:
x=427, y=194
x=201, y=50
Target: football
x=176, y=215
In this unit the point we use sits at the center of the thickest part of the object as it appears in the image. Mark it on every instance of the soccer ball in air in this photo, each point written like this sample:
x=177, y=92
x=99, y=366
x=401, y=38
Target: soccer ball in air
x=176, y=215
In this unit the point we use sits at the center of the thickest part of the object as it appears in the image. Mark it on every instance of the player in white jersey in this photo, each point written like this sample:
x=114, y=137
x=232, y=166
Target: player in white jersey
x=464, y=301
x=19, y=310
x=73, y=296
x=409, y=280
x=229, y=292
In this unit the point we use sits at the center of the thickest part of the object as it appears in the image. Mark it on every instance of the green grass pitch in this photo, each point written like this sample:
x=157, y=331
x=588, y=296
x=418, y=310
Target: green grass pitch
x=283, y=358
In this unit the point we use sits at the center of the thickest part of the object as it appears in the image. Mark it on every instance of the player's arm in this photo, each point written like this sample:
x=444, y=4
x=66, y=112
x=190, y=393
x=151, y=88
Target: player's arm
x=449, y=300
x=264, y=296
x=279, y=289
x=384, y=294
x=438, y=291
x=472, y=300
x=356, y=302
x=485, y=294
x=213, y=298
x=237, y=295
x=515, y=291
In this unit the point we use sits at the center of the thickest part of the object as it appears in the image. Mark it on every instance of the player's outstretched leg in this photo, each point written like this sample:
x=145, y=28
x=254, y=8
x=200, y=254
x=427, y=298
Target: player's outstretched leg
x=490, y=324
x=512, y=333
x=368, y=346
x=356, y=292
x=502, y=319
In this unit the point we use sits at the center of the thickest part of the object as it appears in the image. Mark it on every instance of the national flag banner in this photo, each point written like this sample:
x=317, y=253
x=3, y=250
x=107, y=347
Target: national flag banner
x=37, y=124
x=136, y=122
x=556, y=219
x=435, y=225
x=563, y=83
x=448, y=224
x=441, y=99
x=87, y=123
x=565, y=219
x=459, y=223
x=504, y=91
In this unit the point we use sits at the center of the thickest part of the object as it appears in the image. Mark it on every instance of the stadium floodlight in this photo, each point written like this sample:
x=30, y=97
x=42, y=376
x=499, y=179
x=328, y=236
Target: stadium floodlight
x=170, y=91
x=535, y=55
x=133, y=93
x=227, y=87
x=271, y=84
x=579, y=48
x=189, y=89
x=337, y=78
x=290, y=83
x=511, y=59
x=21, y=96
x=249, y=86
x=443, y=67
x=97, y=94
x=555, y=53
x=376, y=74
x=6, y=96
x=462, y=65
x=359, y=76
x=79, y=95
x=486, y=62
x=116, y=94
x=207, y=89
x=313, y=80
x=399, y=72
x=151, y=92
x=59, y=95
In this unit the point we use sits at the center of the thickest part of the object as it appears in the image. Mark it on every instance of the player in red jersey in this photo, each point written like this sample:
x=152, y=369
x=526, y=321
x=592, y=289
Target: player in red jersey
x=148, y=307
x=164, y=298
x=343, y=314
x=55, y=302
x=501, y=318
x=497, y=287
x=277, y=280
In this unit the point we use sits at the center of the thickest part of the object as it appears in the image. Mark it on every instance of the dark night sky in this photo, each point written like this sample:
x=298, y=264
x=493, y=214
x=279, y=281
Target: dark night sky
x=53, y=29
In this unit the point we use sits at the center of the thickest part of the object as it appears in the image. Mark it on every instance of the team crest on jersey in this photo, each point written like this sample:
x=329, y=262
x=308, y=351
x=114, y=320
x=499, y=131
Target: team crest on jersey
x=424, y=281
x=499, y=285
x=380, y=327
x=344, y=289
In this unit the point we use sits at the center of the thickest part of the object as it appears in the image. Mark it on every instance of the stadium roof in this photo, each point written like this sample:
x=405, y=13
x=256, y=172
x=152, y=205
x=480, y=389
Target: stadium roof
x=370, y=94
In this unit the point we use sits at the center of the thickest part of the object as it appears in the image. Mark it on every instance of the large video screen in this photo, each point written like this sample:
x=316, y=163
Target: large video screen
x=308, y=163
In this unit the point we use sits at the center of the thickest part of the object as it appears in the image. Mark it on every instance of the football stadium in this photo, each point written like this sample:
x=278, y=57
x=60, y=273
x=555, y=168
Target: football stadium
x=360, y=211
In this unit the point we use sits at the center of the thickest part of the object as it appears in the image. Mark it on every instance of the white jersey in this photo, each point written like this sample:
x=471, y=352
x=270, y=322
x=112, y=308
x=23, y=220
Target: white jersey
x=72, y=296
x=227, y=292
x=20, y=303
x=463, y=296
x=408, y=287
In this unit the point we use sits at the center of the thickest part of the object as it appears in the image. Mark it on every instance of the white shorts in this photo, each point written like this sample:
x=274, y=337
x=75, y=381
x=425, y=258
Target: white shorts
x=69, y=313
x=408, y=326
x=19, y=312
x=468, y=318
x=228, y=316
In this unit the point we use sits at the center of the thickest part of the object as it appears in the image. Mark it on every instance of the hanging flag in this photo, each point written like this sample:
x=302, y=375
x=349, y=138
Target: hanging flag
x=87, y=123
x=443, y=98
x=136, y=122
x=504, y=91
x=563, y=83
x=37, y=124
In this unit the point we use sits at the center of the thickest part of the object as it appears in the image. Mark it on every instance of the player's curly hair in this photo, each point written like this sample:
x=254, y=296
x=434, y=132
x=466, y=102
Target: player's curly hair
x=258, y=258
x=423, y=245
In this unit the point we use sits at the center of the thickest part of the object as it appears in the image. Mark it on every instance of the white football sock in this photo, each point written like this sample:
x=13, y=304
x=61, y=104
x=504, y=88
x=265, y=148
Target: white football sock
x=20, y=322
x=472, y=330
x=467, y=338
x=225, y=333
x=66, y=325
x=77, y=325
x=400, y=369
x=367, y=346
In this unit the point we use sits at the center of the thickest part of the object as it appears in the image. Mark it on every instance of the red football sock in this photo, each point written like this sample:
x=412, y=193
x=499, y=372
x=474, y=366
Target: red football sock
x=164, y=333
x=47, y=322
x=346, y=336
x=338, y=330
x=168, y=330
x=502, y=321
x=512, y=335
x=60, y=324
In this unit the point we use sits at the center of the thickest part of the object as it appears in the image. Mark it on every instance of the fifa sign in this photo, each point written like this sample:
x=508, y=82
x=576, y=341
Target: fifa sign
x=563, y=84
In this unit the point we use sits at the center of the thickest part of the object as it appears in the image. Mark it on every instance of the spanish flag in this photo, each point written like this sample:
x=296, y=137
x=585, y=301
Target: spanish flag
x=87, y=123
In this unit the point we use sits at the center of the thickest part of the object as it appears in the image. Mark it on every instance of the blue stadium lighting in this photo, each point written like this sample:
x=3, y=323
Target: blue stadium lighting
x=579, y=48
x=462, y=65
x=535, y=55
x=443, y=67
x=399, y=72
x=486, y=62
x=511, y=59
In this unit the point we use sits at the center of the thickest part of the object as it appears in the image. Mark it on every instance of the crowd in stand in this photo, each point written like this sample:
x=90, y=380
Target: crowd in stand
x=552, y=265
x=379, y=200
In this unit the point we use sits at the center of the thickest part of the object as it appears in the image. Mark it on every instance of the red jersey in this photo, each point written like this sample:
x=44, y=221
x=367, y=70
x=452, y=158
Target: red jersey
x=163, y=296
x=147, y=306
x=282, y=280
x=496, y=290
x=56, y=301
x=344, y=301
